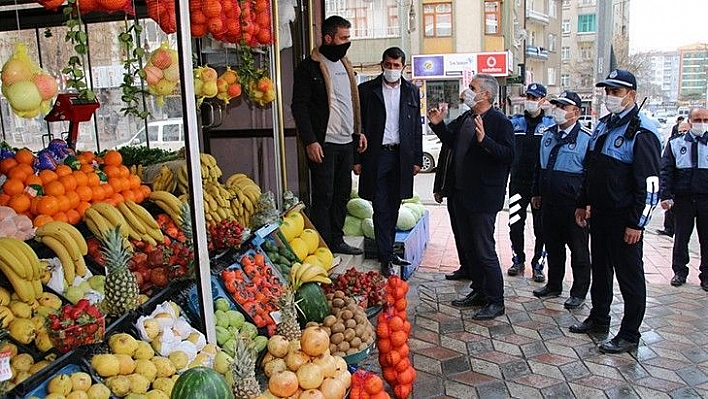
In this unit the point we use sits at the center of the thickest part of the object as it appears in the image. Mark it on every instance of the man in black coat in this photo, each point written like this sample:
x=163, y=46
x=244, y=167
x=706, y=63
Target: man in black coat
x=390, y=117
x=326, y=110
x=483, y=153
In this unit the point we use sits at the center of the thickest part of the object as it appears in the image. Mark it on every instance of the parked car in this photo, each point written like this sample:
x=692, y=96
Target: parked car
x=431, y=152
x=166, y=134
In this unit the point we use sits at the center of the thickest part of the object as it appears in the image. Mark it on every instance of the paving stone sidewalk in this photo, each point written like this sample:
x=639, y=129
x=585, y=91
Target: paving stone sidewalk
x=529, y=353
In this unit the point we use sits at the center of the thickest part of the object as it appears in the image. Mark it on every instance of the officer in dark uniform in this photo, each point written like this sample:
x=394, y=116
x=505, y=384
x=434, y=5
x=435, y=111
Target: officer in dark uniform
x=557, y=182
x=528, y=129
x=684, y=189
x=620, y=191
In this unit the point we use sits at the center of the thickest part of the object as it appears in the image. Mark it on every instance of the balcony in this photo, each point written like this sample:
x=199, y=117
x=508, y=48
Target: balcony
x=537, y=16
x=537, y=52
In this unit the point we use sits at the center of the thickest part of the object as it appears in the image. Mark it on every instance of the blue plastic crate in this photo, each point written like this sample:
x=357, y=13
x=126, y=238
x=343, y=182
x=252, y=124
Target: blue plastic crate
x=409, y=245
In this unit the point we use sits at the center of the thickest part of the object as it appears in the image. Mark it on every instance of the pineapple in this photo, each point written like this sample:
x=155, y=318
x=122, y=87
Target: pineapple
x=185, y=213
x=288, y=327
x=121, y=288
x=243, y=371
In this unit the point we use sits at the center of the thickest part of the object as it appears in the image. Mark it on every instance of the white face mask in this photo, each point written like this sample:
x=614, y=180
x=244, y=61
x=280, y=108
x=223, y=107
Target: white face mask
x=472, y=98
x=699, y=129
x=464, y=107
x=559, y=115
x=614, y=104
x=392, y=75
x=531, y=106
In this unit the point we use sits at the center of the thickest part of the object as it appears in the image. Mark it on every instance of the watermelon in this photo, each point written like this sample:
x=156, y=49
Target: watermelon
x=201, y=382
x=312, y=303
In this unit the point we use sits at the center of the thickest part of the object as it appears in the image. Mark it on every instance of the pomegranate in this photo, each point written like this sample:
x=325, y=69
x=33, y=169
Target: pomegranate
x=333, y=388
x=278, y=346
x=314, y=341
x=283, y=384
x=315, y=394
x=295, y=359
x=310, y=376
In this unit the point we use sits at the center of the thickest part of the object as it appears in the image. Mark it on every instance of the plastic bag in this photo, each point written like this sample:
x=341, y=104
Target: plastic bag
x=109, y=6
x=163, y=12
x=29, y=89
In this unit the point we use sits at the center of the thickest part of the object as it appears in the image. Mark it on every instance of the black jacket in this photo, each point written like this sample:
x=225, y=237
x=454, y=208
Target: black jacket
x=444, y=181
x=486, y=165
x=679, y=177
x=310, y=105
x=528, y=131
x=373, y=117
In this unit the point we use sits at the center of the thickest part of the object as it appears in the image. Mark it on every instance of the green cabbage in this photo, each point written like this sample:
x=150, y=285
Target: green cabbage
x=367, y=227
x=406, y=219
x=414, y=210
x=415, y=199
x=360, y=208
x=352, y=226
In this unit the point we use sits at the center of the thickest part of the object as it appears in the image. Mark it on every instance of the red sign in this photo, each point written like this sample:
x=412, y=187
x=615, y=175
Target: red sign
x=494, y=64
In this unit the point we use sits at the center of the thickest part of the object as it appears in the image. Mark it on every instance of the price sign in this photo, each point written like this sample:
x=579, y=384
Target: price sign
x=5, y=370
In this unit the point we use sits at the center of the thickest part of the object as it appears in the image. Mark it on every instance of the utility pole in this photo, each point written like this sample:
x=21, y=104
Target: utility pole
x=603, y=43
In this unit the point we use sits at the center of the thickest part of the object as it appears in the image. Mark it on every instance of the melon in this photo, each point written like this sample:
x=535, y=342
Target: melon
x=201, y=382
x=314, y=260
x=299, y=222
x=299, y=246
x=312, y=239
x=312, y=302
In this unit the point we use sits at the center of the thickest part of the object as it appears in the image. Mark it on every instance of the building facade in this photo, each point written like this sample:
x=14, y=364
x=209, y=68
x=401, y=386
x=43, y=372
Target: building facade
x=693, y=73
x=665, y=75
x=543, y=43
x=578, y=50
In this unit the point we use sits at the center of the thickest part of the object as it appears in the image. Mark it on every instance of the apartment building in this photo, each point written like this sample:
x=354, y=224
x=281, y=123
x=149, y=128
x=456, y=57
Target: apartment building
x=665, y=75
x=543, y=43
x=693, y=73
x=578, y=50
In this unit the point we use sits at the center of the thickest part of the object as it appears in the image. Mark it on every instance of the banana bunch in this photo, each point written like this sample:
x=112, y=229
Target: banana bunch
x=210, y=170
x=138, y=170
x=21, y=267
x=68, y=245
x=165, y=180
x=217, y=202
x=170, y=204
x=182, y=185
x=141, y=225
x=302, y=273
x=244, y=197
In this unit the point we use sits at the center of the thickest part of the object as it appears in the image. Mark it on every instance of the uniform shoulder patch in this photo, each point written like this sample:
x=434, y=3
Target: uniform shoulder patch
x=585, y=130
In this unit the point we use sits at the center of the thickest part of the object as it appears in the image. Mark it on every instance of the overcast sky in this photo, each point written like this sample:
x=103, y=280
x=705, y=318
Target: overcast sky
x=667, y=24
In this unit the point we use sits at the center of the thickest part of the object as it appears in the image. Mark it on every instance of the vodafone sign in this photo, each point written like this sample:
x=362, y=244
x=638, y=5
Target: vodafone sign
x=495, y=64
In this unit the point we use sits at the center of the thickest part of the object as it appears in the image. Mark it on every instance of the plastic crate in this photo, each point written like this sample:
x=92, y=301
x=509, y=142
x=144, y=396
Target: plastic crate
x=409, y=245
x=36, y=385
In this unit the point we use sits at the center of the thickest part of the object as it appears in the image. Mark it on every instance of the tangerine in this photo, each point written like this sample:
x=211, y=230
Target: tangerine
x=128, y=195
x=113, y=157
x=63, y=170
x=116, y=183
x=20, y=172
x=33, y=207
x=54, y=188
x=93, y=179
x=13, y=186
x=138, y=195
x=108, y=190
x=118, y=197
x=73, y=216
x=124, y=171
x=61, y=217
x=111, y=171
x=84, y=193
x=33, y=179
x=48, y=176
x=7, y=164
x=80, y=177
x=24, y=156
x=4, y=199
x=146, y=191
x=64, y=203
x=41, y=220
x=97, y=193
x=48, y=205
x=134, y=182
x=69, y=182
x=20, y=203
x=87, y=168
x=82, y=207
x=74, y=199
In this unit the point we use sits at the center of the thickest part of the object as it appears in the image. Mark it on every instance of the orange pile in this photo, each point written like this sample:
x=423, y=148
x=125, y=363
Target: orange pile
x=67, y=193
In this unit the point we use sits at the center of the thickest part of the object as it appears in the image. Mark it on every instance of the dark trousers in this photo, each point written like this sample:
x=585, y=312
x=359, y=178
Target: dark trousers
x=477, y=233
x=331, y=188
x=610, y=254
x=516, y=229
x=454, y=224
x=669, y=221
x=387, y=200
x=560, y=230
x=689, y=212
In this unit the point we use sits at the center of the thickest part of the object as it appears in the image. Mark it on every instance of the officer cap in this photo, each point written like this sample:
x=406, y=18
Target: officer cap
x=619, y=78
x=567, y=98
x=536, y=90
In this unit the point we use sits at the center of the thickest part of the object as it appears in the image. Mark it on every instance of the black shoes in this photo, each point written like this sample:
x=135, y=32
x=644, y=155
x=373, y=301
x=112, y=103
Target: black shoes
x=346, y=249
x=387, y=269
x=545, y=292
x=538, y=275
x=665, y=233
x=618, y=345
x=474, y=298
x=704, y=285
x=589, y=326
x=573, y=302
x=517, y=269
x=398, y=261
x=489, y=311
x=458, y=274
x=678, y=281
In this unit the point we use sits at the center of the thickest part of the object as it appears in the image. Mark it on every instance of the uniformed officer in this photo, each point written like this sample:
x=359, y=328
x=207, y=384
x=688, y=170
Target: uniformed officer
x=557, y=182
x=620, y=191
x=528, y=129
x=684, y=188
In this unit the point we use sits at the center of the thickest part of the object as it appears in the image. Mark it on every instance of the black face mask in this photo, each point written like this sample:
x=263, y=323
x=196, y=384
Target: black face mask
x=335, y=52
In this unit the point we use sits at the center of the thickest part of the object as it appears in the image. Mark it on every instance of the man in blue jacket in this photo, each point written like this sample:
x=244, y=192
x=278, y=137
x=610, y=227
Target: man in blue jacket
x=557, y=182
x=619, y=194
x=390, y=117
x=528, y=129
x=483, y=150
x=684, y=189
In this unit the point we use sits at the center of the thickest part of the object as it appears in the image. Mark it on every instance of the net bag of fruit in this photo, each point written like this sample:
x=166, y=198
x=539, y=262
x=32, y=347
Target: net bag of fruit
x=29, y=89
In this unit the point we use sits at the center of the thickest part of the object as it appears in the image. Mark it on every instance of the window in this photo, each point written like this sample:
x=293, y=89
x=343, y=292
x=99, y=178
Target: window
x=565, y=80
x=393, y=27
x=492, y=17
x=551, y=42
x=587, y=2
x=565, y=53
x=586, y=23
x=565, y=26
x=566, y=3
x=586, y=80
x=152, y=133
x=531, y=40
x=587, y=52
x=438, y=19
x=551, y=76
x=171, y=133
x=552, y=8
